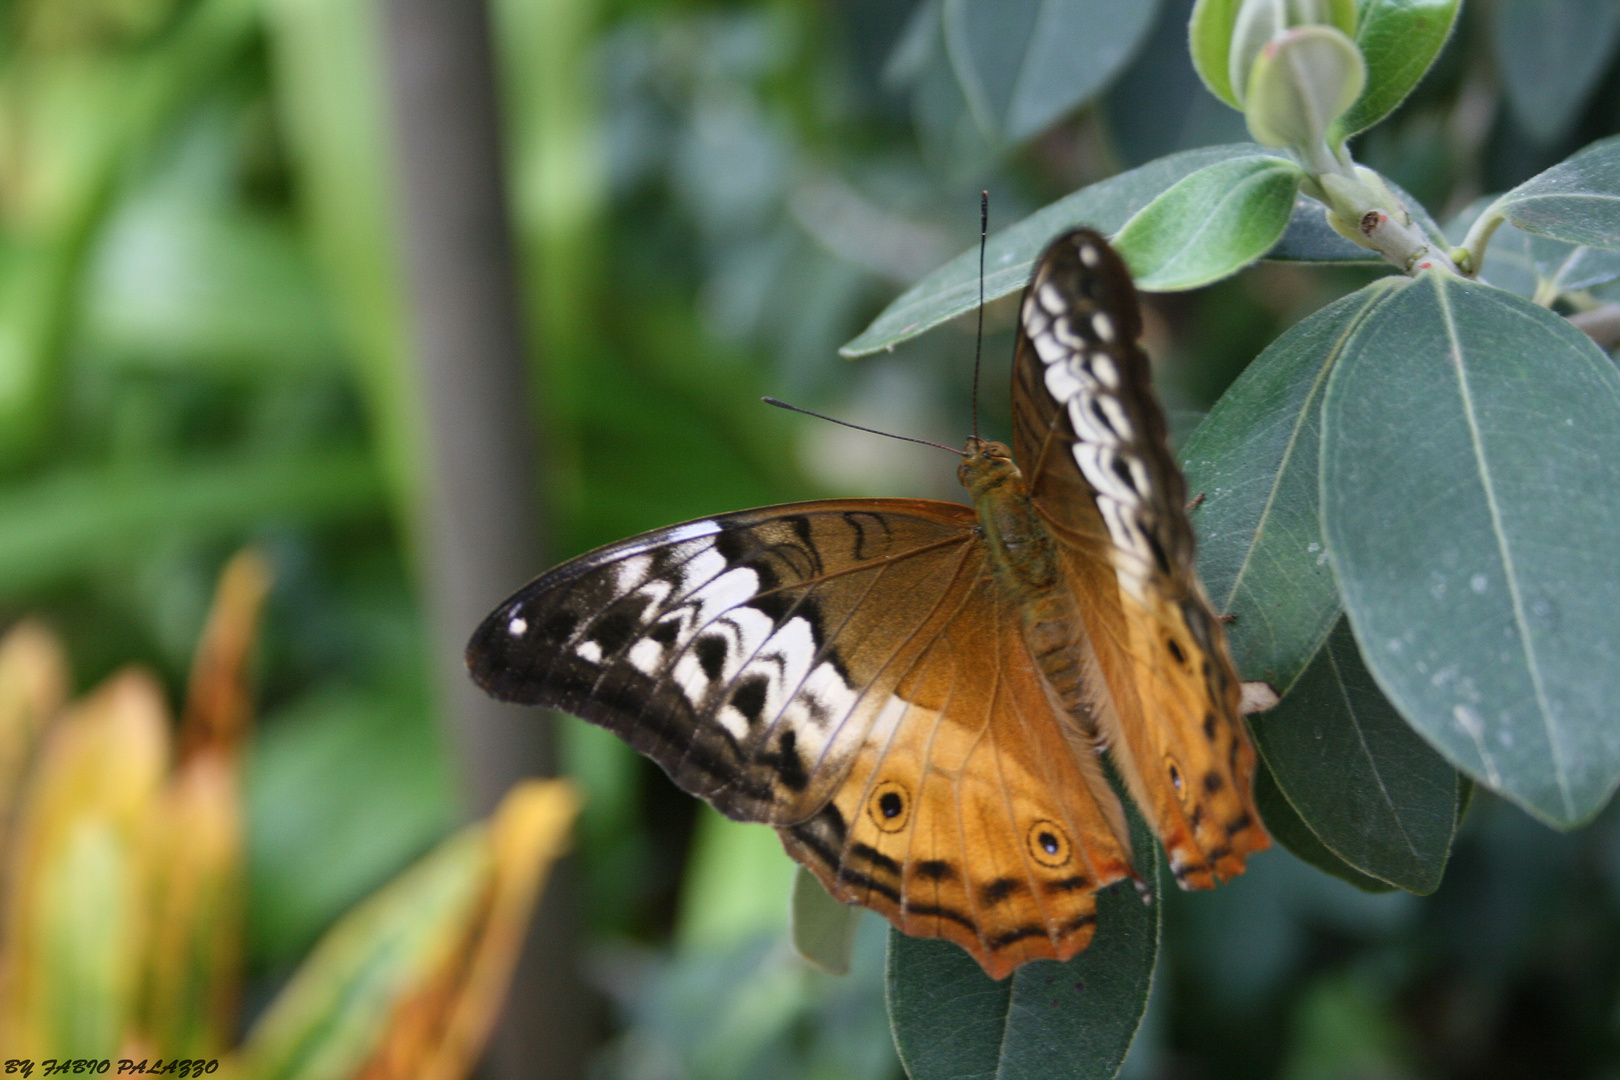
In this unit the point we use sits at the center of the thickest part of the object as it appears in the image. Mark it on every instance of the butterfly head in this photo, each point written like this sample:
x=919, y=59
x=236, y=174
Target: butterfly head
x=986, y=466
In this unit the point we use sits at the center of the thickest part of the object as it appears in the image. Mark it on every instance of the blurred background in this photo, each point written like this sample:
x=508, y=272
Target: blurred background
x=211, y=333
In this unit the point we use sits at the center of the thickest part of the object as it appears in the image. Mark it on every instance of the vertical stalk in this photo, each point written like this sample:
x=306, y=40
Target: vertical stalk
x=481, y=531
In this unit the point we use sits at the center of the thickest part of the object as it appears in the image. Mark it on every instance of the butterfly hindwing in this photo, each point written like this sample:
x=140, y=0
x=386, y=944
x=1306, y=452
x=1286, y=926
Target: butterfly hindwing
x=1092, y=440
x=970, y=814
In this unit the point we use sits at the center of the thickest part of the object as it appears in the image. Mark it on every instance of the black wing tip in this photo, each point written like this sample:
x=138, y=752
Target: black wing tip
x=489, y=660
x=1117, y=294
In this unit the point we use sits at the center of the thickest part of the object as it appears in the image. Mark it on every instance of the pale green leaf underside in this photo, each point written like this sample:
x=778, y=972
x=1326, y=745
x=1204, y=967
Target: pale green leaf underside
x=822, y=928
x=1023, y=64
x=1210, y=224
x=1577, y=200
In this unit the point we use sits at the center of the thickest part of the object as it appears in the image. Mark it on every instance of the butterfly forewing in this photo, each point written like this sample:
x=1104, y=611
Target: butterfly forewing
x=1091, y=439
x=739, y=651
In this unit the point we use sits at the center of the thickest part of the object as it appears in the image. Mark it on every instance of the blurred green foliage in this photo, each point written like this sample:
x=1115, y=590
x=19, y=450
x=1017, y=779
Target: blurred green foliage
x=203, y=340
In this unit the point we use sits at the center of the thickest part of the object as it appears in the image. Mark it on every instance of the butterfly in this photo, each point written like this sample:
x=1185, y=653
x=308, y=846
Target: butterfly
x=917, y=694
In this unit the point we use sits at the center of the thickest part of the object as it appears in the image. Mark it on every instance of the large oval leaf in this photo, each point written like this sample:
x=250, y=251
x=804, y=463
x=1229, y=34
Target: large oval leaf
x=1074, y=1019
x=1010, y=253
x=1577, y=200
x=1286, y=827
x=1254, y=461
x=1399, y=39
x=1470, y=503
x=1551, y=54
x=1022, y=64
x=1211, y=224
x=1368, y=786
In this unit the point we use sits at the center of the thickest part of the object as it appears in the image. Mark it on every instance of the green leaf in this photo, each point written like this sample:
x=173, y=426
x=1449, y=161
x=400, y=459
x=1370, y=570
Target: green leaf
x=1367, y=785
x=1577, y=200
x=236, y=295
x=1399, y=40
x=1536, y=267
x=1254, y=460
x=329, y=83
x=1285, y=826
x=1470, y=501
x=823, y=929
x=1074, y=1019
x=1023, y=64
x=342, y=788
x=1210, y=224
x=1010, y=253
x=1551, y=54
x=1209, y=35
x=328, y=1019
x=63, y=526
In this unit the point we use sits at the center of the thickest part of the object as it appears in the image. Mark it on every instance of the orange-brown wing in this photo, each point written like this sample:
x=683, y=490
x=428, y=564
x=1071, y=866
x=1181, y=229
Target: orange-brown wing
x=968, y=813
x=843, y=670
x=1091, y=439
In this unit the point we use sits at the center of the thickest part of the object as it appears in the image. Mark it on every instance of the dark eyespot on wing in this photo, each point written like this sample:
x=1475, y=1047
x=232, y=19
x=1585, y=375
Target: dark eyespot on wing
x=1209, y=720
x=936, y=870
x=1213, y=782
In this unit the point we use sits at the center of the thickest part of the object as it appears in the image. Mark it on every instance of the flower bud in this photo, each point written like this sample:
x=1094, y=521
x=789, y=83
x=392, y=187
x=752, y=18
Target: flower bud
x=1299, y=84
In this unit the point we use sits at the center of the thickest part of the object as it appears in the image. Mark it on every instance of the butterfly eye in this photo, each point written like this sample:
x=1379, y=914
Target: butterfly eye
x=890, y=807
x=1047, y=843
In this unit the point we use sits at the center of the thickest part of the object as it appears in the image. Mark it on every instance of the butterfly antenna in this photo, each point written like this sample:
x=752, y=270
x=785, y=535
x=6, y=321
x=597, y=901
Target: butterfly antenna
x=857, y=427
x=978, y=341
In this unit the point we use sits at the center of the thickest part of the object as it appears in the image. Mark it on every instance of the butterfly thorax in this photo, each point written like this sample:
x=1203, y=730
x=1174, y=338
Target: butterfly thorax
x=1026, y=564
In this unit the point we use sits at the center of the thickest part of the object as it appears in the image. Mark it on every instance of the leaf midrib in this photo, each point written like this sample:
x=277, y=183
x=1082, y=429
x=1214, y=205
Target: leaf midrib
x=1527, y=645
x=1372, y=763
